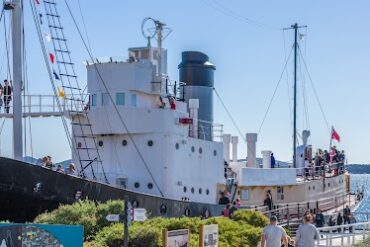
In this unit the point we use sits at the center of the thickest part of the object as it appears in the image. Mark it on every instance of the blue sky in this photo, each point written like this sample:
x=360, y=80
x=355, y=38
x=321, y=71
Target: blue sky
x=249, y=60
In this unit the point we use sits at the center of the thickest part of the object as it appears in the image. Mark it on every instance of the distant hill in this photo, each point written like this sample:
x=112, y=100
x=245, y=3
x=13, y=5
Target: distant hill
x=358, y=168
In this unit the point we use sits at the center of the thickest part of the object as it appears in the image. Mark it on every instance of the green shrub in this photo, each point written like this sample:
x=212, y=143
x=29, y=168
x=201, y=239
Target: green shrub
x=251, y=217
x=86, y=213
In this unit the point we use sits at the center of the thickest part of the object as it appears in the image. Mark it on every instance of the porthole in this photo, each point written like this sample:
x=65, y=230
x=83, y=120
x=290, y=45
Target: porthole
x=200, y=150
x=136, y=185
x=185, y=189
x=150, y=143
x=150, y=186
x=200, y=191
x=187, y=212
x=309, y=187
x=124, y=142
x=214, y=153
x=192, y=149
x=79, y=144
x=100, y=143
x=207, y=191
x=192, y=190
x=163, y=209
x=328, y=184
x=177, y=146
x=313, y=187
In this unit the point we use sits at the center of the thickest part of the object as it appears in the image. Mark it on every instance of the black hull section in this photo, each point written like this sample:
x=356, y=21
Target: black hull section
x=28, y=190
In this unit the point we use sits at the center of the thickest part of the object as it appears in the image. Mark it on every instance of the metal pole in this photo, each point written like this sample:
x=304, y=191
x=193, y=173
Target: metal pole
x=125, y=221
x=17, y=38
x=295, y=26
x=159, y=27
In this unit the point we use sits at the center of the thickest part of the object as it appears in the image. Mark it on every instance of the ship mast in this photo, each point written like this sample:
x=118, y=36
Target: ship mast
x=16, y=7
x=295, y=27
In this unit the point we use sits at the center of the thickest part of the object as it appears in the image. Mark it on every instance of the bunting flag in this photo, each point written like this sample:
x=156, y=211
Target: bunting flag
x=61, y=93
x=52, y=58
x=40, y=15
x=38, y=1
x=335, y=135
x=56, y=75
x=47, y=37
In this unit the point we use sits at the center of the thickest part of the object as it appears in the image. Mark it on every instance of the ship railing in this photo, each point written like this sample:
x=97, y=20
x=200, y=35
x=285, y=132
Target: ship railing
x=343, y=235
x=45, y=105
x=317, y=172
x=113, y=59
x=206, y=127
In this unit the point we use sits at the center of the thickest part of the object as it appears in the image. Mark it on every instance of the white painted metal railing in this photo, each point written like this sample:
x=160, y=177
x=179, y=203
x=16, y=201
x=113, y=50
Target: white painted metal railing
x=343, y=235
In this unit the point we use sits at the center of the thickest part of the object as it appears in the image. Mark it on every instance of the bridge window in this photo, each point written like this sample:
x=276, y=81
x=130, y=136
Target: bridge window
x=120, y=98
x=94, y=99
x=105, y=99
x=133, y=100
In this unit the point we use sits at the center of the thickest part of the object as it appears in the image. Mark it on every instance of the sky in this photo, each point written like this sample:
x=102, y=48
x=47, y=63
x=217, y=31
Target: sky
x=245, y=40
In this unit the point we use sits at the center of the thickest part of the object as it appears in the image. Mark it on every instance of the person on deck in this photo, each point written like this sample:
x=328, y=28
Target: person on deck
x=223, y=199
x=339, y=221
x=273, y=162
x=71, y=170
x=268, y=201
x=7, y=92
x=60, y=168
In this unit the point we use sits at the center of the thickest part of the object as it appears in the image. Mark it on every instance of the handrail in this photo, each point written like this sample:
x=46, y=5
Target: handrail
x=336, y=236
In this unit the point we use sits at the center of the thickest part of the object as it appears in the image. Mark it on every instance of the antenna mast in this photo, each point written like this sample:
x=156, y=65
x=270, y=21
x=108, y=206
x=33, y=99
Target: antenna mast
x=295, y=27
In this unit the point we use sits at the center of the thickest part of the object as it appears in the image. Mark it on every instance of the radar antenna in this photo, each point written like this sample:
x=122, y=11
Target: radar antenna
x=159, y=30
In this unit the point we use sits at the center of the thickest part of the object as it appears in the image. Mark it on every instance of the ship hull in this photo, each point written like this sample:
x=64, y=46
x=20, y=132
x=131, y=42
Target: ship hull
x=27, y=190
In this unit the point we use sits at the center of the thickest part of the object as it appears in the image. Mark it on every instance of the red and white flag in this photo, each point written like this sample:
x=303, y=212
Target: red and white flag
x=335, y=135
x=52, y=58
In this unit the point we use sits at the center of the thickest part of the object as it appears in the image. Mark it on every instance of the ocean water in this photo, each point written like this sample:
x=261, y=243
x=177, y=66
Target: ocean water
x=359, y=181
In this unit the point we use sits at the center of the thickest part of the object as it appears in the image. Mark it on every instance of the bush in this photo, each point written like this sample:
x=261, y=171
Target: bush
x=85, y=213
x=254, y=218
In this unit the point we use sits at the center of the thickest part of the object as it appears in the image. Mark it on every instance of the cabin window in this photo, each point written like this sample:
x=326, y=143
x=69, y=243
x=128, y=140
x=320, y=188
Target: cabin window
x=124, y=142
x=280, y=193
x=150, y=143
x=150, y=186
x=133, y=100
x=120, y=98
x=200, y=191
x=177, y=146
x=214, y=152
x=207, y=191
x=137, y=185
x=105, y=99
x=244, y=195
x=200, y=150
x=94, y=99
x=192, y=190
x=100, y=143
x=185, y=189
x=192, y=149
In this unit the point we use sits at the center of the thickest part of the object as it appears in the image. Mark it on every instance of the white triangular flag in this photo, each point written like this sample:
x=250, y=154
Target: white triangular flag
x=47, y=37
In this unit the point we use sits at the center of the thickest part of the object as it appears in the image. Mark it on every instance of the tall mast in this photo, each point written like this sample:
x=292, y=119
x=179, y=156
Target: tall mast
x=295, y=26
x=17, y=39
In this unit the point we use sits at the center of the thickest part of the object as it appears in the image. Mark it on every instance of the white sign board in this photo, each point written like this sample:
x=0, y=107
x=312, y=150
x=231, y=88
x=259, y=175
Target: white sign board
x=177, y=238
x=139, y=214
x=112, y=217
x=209, y=236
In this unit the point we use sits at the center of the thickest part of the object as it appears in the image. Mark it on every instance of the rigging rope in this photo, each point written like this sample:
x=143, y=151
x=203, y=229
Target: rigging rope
x=315, y=92
x=287, y=83
x=273, y=95
x=230, y=116
x=112, y=100
x=227, y=11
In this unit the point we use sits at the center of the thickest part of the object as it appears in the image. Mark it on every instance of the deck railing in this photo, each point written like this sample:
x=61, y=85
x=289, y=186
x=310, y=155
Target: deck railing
x=343, y=235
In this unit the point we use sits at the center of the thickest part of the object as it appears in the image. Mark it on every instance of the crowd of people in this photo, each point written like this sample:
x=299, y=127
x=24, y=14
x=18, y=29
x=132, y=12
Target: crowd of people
x=5, y=95
x=325, y=161
x=46, y=162
x=230, y=208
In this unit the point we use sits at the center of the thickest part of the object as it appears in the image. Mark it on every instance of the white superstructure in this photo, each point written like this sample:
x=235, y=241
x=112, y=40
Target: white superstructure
x=181, y=165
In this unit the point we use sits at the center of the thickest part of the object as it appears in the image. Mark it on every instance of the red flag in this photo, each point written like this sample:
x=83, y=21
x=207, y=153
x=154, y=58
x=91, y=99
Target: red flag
x=38, y=1
x=335, y=135
x=52, y=58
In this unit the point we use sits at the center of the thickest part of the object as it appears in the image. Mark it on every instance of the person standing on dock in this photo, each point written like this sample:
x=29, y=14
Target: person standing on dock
x=346, y=214
x=273, y=234
x=319, y=219
x=339, y=221
x=306, y=233
x=273, y=162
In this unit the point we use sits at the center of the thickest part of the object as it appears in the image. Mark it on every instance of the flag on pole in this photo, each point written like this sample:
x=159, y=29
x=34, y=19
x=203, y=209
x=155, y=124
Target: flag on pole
x=52, y=58
x=335, y=135
x=61, y=93
x=38, y=1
